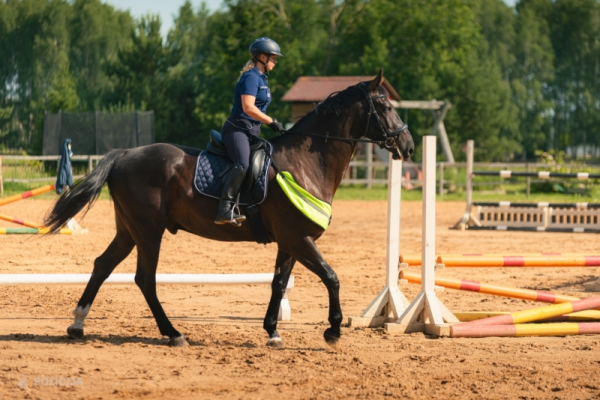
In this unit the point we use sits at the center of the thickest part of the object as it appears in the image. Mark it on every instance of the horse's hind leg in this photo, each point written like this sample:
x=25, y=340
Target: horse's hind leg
x=104, y=265
x=283, y=269
x=145, y=277
x=309, y=255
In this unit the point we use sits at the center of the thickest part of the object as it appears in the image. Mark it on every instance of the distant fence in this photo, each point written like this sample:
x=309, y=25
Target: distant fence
x=97, y=132
x=371, y=172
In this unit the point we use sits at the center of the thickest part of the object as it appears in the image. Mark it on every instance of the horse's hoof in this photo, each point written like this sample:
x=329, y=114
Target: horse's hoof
x=331, y=338
x=275, y=343
x=178, y=341
x=75, y=333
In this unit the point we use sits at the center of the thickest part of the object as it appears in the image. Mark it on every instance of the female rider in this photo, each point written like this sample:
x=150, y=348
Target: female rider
x=241, y=129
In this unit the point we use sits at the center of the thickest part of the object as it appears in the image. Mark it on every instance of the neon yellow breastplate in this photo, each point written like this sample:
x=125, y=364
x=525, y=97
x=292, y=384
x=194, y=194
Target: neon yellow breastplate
x=314, y=209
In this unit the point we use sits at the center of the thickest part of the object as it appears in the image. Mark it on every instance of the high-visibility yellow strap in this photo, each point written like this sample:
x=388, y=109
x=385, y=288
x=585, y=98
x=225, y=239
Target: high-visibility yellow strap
x=314, y=209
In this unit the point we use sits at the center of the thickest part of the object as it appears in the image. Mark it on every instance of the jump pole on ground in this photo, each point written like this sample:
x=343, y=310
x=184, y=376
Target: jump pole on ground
x=31, y=193
x=504, y=291
x=390, y=303
x=426, y=313
x=535, y=314
x=554, y=329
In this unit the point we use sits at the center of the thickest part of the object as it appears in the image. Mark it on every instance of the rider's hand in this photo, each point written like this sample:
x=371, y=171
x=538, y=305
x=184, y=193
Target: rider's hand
x=276, y=126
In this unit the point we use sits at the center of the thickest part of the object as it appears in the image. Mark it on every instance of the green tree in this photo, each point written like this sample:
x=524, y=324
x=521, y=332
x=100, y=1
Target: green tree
x=575, y=38
x=434, y=50
x=97, y=31
x=532, y=74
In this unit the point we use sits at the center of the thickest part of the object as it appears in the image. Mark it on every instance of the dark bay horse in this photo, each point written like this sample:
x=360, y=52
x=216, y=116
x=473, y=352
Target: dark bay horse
x=152, y=190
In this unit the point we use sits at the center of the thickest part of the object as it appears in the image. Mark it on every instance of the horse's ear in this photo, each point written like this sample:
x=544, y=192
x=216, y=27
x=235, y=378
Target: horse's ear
x=375, y=83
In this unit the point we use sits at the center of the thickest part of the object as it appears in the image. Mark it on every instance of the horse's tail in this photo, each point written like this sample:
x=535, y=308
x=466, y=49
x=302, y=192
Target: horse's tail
x=83, y=193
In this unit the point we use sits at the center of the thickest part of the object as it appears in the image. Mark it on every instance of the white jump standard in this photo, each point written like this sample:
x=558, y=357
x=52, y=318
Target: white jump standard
x=390, y=308
x=426, y=313
x=390, y=303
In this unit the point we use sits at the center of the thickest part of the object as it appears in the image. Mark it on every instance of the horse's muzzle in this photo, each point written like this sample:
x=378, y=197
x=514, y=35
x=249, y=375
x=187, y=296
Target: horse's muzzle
x=400, y=152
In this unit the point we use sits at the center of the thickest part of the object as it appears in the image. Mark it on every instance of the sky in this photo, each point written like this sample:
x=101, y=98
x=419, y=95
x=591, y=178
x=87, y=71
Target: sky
x=167, y=9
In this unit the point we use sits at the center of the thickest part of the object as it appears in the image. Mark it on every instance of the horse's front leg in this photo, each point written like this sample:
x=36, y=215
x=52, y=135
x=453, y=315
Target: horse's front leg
x=283, y=269
x=309, y=255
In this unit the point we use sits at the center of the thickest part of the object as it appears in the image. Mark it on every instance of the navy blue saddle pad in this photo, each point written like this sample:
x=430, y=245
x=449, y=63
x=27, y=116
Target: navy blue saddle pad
x=208, y=182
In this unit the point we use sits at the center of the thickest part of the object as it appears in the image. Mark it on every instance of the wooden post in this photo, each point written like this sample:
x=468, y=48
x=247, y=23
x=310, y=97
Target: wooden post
x=390, y=302
x=528, y=180
x=426, y=313
x=369, y=149
x=470, y=156
x=90, y=164
x=441, y=178
x=467, y=218
x=440, y=128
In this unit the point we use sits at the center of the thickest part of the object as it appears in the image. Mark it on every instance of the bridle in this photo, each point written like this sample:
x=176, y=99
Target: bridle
x=390, y=138
x=389, y=141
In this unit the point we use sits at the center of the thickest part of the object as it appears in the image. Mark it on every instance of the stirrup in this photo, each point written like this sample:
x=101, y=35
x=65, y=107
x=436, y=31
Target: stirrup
x=237, y=221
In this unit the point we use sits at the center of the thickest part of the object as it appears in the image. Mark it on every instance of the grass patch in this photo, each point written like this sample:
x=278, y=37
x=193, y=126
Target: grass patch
x=378, y=192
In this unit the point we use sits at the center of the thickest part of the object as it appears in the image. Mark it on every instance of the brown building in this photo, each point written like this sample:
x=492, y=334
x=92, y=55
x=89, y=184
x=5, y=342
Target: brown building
x=308, y=91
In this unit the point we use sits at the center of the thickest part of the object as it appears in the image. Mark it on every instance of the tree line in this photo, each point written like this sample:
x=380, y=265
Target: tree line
x=520, y=79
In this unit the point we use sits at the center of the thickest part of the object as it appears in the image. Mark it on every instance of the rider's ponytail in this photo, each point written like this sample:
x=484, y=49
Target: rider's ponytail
x=248, y=66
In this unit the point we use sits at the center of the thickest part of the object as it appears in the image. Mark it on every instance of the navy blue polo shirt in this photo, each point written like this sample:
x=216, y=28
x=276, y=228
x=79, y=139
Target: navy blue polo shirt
x=254, y=83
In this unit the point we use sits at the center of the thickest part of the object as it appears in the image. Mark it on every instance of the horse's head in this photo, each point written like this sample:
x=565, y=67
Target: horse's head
x=384, y=123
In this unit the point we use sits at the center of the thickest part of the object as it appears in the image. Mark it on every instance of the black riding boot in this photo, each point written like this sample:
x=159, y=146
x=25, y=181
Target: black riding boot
x=231, y=185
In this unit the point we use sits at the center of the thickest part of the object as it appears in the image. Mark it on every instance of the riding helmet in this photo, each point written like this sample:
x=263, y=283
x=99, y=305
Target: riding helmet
x=264, y=45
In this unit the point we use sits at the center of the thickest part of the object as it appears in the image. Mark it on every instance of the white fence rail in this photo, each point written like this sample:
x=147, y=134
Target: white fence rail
x=369, y=170
x=370, y=177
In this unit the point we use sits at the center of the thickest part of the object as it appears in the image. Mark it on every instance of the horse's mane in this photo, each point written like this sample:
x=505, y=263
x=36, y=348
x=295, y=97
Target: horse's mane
x=334, y=104
x=338, y=101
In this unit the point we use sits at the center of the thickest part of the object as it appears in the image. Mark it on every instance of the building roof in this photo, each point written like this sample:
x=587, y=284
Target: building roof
x=317, y=88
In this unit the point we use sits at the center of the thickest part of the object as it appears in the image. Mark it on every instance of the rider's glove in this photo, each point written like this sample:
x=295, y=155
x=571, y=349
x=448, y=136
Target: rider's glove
x=276, y=126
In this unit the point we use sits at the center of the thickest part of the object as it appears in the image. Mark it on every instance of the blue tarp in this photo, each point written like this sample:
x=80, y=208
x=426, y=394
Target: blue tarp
x=65, y=173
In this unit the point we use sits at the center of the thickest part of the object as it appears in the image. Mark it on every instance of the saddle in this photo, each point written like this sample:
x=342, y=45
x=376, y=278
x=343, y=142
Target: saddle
x=213, y=163
x=258, y=156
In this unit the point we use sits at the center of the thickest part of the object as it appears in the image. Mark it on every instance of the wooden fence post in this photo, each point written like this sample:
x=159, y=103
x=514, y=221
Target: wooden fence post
x=528, y=181
x=470, y=157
